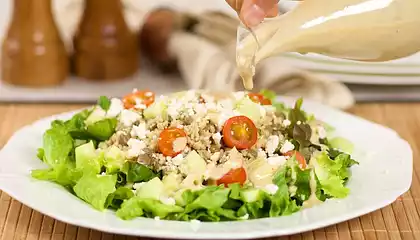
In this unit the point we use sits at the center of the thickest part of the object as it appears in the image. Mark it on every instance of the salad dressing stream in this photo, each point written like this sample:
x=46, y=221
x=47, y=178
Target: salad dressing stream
x=360, y=30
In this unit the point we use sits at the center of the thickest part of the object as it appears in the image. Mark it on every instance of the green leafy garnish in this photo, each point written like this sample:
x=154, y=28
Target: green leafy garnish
x=102, y=130
x=137, y=172
x=116, y=198
x=104, y=103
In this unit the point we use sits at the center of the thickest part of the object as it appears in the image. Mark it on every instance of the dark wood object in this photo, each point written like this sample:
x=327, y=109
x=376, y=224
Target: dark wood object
x=33, y=53
x=105, y=48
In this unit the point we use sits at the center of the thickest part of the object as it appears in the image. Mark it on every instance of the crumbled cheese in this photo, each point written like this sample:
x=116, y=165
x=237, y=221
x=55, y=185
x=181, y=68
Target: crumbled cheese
x=215, y=157
x=179, y=144
x=135, y=147
x=263, y=111
x=138, y=185
x=269, y=108
x=167, y=200
x=157, y=218
x=115, y=108
x=195, y=224
x=225, y=104
x=174, y=107
x=261, y=154
x=178, y=159
x=292, y=190
x=200, y=109
x=135, y=90
x=271, y=188
x=217, y=137
x=277, y=160
x=187, y=149
x=208, y=98
x=272, y=144
x=321, y=132
x=140, y=105
x=287, y=146
x=286, y=122
x=140, y=131
x=129, y=117
x=190, y=95
x=239, y=95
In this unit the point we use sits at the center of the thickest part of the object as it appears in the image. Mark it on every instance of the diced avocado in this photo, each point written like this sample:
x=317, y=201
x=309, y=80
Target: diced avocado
x=87, y=159
x=342, y=144
x=114, y=159
x=156, y=109
x=249, y=109
x=251, y=195
x=171, y=182
x=152, y=189
x=96, y=115
x=194, y=164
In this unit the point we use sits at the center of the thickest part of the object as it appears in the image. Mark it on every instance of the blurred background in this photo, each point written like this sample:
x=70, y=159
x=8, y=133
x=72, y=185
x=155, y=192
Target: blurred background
x=76, y=50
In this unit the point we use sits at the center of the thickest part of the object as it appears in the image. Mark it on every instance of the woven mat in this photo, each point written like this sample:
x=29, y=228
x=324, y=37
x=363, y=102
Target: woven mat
x=400, y=220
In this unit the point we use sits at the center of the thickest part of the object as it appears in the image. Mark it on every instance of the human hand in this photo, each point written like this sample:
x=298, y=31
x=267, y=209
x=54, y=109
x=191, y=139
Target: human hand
x=253, y=12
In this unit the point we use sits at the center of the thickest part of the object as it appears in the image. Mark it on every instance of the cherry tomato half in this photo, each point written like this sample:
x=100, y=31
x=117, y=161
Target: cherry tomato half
x=143, y=97
x=237, y=175
x=299, y=157
x=166, y=141
x=240, y=132
x=259, y=98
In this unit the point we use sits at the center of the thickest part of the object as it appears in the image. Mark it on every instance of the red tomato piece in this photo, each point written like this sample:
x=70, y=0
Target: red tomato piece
x=166, y=141
x=299, y=157
x=237, y=175
x=143, y=97
x=240, y=132
x=259, y=98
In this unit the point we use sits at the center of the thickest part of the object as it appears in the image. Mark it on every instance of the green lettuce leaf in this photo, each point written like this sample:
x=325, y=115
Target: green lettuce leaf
x=117, y=198
x=302, y=183
x=87, y=159
x=65, y=175
x=281, y=203
x=57, y=145
x=114, y=160
x=95, y=189
x=137, y=172
x=330, y=175
x=103, y=129
x=104, y=103
x=138, y=207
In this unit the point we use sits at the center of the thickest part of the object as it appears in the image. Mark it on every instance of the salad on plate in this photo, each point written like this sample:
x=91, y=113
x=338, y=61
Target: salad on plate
x=196, y=155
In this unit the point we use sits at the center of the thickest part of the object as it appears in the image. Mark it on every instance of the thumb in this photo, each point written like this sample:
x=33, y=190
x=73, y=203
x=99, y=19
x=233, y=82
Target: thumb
x=253, y=12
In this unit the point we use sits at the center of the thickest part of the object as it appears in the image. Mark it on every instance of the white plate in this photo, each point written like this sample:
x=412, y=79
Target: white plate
x=385, y=172
x=404, y=71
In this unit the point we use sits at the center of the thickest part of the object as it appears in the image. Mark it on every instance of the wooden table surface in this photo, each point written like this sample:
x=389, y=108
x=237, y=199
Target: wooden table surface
x=400, y=220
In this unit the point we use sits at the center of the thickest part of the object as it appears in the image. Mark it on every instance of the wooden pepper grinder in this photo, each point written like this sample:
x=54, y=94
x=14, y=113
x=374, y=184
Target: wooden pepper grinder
x=33, y=53
x=105, y=48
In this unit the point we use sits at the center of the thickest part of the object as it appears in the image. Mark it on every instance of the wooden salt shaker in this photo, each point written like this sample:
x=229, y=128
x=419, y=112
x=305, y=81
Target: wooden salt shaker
x=105, y=48
x=33, y=53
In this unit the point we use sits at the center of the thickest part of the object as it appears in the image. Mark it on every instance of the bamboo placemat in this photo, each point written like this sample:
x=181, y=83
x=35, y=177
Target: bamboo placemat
x=400, y=220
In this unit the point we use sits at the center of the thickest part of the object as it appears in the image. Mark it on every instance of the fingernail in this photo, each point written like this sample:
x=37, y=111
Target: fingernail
x=253, y=15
